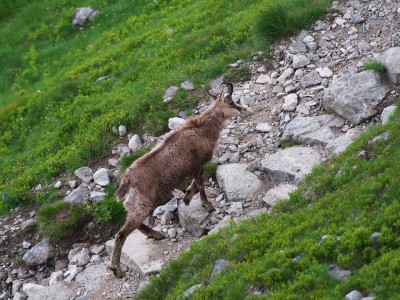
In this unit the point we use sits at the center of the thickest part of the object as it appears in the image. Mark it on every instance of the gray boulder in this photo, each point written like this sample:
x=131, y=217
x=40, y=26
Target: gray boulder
x=59, y=291
x=355, y=97
x=193, y=216
x=291, y=164
x=313, y=130
x=78, y=196
x=39, y=254
x=29, y=225
x=391, y=60
x=84, y=173
x=237, y=182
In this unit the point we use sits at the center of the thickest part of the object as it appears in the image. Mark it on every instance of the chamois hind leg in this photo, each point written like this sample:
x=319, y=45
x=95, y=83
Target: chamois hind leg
x=192, y=190
x=138, y=208
x=151, y=233
x=204, y=201
x=132, y=222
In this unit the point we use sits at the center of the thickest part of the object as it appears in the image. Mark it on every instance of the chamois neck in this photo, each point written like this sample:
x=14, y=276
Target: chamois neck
x=213, y=122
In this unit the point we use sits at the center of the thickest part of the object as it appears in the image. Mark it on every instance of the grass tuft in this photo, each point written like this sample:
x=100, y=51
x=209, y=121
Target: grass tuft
x=375, y=66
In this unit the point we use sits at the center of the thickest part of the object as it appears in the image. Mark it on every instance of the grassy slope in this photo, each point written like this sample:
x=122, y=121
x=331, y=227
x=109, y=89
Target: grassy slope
x=54, y=117
x=348, y=199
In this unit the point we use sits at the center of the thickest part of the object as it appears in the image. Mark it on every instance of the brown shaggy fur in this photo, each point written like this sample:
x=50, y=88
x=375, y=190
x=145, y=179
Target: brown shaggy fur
x=150, y=180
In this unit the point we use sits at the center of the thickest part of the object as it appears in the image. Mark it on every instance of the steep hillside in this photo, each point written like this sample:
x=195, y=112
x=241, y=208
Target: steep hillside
x=55, y=116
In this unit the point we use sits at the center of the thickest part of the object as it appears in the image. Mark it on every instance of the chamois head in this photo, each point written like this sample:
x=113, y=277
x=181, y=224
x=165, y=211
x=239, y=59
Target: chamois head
x=225, y=102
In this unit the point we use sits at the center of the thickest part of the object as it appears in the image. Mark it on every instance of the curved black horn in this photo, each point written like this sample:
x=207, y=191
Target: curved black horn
x=230, y=89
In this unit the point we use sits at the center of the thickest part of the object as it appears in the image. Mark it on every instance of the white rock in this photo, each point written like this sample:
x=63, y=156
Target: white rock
x=135, y=143
x=80, y=259
x=263, y=127
x=290, y=102
x=263, y=78
x=175, y=122
x=387, y=113
x=57, y=185
x=102, y=177
x=188, y=85
x=354, y=295
x=324, y=72
x=56, y=277
x=122, y=130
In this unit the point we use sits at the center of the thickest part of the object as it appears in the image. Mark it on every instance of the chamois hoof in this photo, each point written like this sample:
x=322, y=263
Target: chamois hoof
x=186, y=200
x=118, y=272
x=209, y=207
x=159, y=236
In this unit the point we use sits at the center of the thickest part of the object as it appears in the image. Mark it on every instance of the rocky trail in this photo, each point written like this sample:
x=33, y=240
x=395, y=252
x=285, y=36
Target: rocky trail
x=307, y=102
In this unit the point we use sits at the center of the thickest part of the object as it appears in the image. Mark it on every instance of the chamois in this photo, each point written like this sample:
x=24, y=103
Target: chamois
x=150, y=180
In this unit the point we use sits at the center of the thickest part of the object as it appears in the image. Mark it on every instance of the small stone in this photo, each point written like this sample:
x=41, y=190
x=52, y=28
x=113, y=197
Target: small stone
x=95, y=259
x=80, y=259
x=290, y=102
x=188, y=85
x=170, y=93
x=324, y=72
x=375, y=240
x=337, y=273
x=25, y=245
x=84, y=173
x=175, y=122
x=263, y=78
x=97, y=196
x=102, y=177
x=121, y=130
x=263, y=127
x=135, y=143
x=39, y=254
x=167, y=218
x=191, y=290
x=220, y=266
x=300, y=61
x=354, y=295
x=57, y=185
x=311, y=79
x=28, y=225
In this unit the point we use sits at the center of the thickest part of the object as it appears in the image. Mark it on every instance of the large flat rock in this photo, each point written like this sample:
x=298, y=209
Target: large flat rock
x=341, y=143
x=237, y=182
x=139, y=251
x=291, y=164
x=313, y=130
x=355, y=97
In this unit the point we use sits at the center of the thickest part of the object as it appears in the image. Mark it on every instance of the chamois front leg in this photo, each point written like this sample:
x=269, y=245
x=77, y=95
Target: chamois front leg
x=204, y=201
x=192, y=190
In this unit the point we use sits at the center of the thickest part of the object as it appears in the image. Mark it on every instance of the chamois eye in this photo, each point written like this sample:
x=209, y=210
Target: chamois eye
x=231, y=103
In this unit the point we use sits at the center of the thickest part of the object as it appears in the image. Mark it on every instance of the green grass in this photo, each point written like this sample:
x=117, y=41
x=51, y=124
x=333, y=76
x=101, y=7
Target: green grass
x=347, y=198
x=53, y=118
x=374, y=65
x=60, y=220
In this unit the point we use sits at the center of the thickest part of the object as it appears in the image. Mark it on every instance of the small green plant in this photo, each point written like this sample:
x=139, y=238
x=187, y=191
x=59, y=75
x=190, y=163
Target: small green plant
x=110, y=210
x=210, y=169
x=241, y=73
x=374, y=65
x=60, y=219
x=287, y=143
